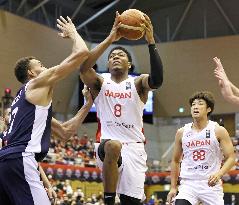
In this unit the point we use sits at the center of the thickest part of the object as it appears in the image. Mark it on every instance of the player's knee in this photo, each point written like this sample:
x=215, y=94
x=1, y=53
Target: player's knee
x=112, y=149
x=127, y=200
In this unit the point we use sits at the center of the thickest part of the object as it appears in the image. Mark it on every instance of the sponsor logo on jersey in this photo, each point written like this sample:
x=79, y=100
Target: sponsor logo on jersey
x=198, y=143
x=121, y=95
x=200, y=167
x=124, y=125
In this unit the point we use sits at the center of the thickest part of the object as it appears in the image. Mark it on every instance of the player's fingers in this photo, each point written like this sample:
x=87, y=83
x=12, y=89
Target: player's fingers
x=215, y=60
x=63, y=19
x=147, y=18
x=60, y=22
x=60, y=27
x=117, y=14
x=116, y=19
x=118, y=25
x=69, y=20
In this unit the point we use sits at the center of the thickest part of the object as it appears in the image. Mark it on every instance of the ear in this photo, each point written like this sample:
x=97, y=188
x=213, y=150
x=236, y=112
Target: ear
x=30, y=74
x=129, y=65
x=209, y=109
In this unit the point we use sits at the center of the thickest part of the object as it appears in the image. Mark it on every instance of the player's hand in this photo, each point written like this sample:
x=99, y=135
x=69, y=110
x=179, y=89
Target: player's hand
x=115, y=34
x=87, y=95
x=220, y=73
x=219, y=68
x=68, y=29
x=171, y=196
x=51, y=194
x=218, y=63
x=149, y=33
x=214, y=179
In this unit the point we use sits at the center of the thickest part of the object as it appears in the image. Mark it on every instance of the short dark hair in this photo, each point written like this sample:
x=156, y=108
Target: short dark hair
x=123, y=49
x=205, y=95
x=131, y=70
x=21, y=68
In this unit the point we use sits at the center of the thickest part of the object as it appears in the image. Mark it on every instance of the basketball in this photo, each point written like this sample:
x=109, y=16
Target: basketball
x=130, y=27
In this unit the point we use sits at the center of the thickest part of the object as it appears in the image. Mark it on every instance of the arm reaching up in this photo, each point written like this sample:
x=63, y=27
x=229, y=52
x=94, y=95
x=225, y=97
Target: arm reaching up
x=226, y=86
x=87, y=73
x=154, y=79
x=51, y=76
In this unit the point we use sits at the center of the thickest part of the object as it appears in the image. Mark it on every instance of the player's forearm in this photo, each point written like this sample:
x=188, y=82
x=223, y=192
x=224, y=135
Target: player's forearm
x=57, y=130
x=175, y=169
x=95, y=53
x=78, y=46
x=78, y=43
x=229, y=163
x=75, y=122
x=44, y=178
x=228, y=95
x=226, y=90
x=235, y=90
x=155, y=79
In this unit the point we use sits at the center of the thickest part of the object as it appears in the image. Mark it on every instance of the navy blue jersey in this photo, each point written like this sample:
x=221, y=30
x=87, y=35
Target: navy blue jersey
x=29, y=130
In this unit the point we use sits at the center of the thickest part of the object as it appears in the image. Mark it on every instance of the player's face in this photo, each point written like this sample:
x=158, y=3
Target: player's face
x=118, y=61
x=36, y=67
x=199, y=108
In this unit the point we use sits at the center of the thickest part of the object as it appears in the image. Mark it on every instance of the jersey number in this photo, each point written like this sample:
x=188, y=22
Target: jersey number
x=12, y=118
x=117, y=110
x=199, y=155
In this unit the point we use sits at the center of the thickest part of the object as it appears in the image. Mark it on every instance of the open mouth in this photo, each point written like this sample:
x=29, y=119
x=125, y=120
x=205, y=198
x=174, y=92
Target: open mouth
x=116, y=63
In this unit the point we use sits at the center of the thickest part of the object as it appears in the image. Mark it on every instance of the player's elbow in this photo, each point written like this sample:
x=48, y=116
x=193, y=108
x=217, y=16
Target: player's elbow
x=82, y=55
x=155, y=82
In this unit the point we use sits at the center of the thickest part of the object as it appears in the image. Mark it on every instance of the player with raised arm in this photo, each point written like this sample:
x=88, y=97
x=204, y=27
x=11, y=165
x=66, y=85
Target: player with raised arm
x=120, y=102
x=27, y=138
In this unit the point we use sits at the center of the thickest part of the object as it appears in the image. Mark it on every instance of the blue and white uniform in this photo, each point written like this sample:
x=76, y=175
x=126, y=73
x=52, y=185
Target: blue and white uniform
x=26, y=142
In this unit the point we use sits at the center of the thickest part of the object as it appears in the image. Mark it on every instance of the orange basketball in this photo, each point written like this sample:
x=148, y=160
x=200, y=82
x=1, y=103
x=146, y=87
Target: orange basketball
x=130, y=24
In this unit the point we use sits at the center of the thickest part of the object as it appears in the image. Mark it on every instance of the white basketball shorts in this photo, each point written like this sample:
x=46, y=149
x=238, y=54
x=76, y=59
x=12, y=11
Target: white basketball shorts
x=196, y=191
x=132, y=170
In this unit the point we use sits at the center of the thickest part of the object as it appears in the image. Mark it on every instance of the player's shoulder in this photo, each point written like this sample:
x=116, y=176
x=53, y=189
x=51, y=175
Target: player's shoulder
x=179, y=134
x=180, y=131
x=219, y=130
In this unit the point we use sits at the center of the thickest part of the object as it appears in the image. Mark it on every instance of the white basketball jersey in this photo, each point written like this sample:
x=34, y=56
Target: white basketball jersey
x=119, y=111
x=202, y=155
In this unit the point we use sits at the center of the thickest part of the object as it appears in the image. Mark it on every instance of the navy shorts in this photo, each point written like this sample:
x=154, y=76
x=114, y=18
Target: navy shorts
x=20, y=182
